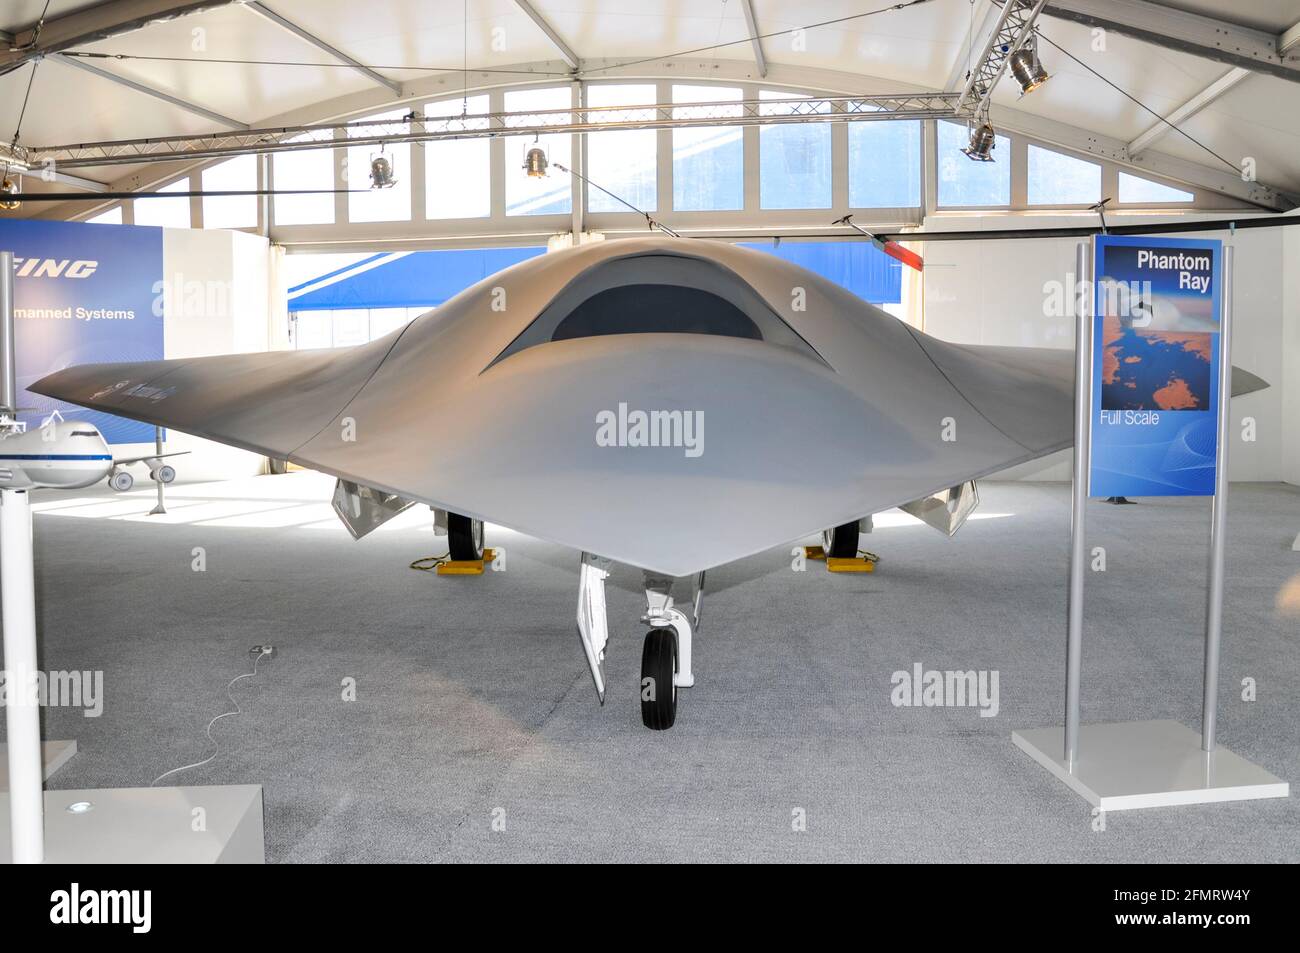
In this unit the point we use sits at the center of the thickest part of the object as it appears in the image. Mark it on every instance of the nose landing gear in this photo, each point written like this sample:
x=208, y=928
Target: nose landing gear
x=666, y=654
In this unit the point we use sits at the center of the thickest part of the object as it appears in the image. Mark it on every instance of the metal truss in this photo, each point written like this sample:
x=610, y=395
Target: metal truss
x=1009, y=34
x=416, y=128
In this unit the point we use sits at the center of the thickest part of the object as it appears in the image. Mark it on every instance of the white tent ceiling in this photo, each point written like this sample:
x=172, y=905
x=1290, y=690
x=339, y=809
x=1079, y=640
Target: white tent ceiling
x=421, y=45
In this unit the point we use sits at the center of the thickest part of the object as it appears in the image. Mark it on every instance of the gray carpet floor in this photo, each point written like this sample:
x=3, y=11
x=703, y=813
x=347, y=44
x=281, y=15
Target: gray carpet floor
x=474, y=704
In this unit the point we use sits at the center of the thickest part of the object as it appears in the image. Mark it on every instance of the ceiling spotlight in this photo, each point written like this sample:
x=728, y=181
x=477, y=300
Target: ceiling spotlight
x=381, y=173
x=1026, y=68
x=535, y=162
x=982, y=141
x=7, y=188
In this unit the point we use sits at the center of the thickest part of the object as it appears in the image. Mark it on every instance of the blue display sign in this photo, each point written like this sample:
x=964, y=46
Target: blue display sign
x=84, y=294
x=1155, y=360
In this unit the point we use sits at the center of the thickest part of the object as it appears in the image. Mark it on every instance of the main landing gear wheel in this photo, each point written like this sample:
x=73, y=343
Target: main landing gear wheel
x=658, y=686
x=464, y=537
x=841, y=542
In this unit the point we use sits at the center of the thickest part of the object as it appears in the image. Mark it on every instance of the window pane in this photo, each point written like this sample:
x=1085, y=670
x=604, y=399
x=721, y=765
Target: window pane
x=238, y=174
x=380, y=205
x=708, y=163
x=794, y=160
x=458, y=172
x=309, y=169
x=313, y=329
x=387, y=320
x=885, y=164
x=110, y=216
x=964, y=182
x=1133, y=188
x=1058, y=179
x=169, y=213
x=623, y=162
x=549, y=194
x=351, y=326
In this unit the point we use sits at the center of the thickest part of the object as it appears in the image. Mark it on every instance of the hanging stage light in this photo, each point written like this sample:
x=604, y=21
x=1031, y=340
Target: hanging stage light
x=535, y=162
x=7, y=188
x=1026, y=68
x=381, y=173
x=982, y=142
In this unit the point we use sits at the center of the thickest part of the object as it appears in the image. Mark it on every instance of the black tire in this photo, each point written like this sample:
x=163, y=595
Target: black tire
x=842, y=541
x=658, y=691
x=464, y=537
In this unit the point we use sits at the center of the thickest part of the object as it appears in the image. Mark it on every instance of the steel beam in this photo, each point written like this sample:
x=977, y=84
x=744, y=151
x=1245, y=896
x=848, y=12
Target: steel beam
x=491, y=125
x=1289, y=39
x=88, y=67
x=1215, y=178
x=262, y=9
x=89, y=25
x=1014, y=25
x=751, y=24
x=565, y=51
x=1189, y=109
x=1207, y=37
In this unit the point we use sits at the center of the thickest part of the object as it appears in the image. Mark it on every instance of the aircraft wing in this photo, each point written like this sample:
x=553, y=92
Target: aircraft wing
x=269, y=403
x=127, y=461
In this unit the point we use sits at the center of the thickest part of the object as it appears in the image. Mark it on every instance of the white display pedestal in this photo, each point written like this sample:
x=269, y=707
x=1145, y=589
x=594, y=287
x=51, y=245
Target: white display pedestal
x=54, y=755
x=151, y=826
x=1140, y=764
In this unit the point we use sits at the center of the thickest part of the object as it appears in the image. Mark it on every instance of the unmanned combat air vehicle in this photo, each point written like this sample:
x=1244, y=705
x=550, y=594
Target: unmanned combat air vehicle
x=670, y=404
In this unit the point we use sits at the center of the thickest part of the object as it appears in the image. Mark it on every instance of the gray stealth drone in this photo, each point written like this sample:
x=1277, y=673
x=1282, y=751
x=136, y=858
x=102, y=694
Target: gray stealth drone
x=668, y=404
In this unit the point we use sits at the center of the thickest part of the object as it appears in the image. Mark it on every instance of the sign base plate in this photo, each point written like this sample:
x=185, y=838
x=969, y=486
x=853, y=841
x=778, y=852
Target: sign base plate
x=1128, y=765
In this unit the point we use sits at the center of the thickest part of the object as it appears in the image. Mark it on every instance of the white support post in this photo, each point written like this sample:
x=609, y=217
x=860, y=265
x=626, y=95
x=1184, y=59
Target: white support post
x=1218, y=518
x=22, y=710
x=1078, y=499
x=18, y=616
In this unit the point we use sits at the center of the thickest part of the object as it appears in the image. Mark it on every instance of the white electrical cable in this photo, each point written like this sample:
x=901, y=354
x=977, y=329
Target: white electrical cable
x=264, y=652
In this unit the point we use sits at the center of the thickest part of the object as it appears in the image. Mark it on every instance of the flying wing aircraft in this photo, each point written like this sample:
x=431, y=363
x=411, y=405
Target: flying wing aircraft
x=670, y=404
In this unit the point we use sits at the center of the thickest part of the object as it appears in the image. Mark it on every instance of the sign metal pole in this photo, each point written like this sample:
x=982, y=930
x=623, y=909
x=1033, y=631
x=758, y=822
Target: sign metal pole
x=1218, y=517
x=1078, y=498
x=161, y=508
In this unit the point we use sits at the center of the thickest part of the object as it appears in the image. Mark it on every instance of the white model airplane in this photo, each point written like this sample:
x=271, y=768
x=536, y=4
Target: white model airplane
x=68, y=455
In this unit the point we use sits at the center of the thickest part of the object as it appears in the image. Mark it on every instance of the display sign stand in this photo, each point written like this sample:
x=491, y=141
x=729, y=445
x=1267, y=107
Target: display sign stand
x=110, y=825
x=1122, y=766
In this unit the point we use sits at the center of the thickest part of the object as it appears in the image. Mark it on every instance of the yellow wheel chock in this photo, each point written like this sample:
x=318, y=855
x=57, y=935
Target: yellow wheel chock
x=455, y=567
x=863, y=562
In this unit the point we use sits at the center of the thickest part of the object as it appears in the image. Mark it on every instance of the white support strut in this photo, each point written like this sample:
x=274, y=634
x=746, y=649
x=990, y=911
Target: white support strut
x=660, y=613
x=22, y=708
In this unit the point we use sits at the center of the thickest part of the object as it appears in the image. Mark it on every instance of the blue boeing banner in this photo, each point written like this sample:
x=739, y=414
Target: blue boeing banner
x=1155, y=377
x=84, y=294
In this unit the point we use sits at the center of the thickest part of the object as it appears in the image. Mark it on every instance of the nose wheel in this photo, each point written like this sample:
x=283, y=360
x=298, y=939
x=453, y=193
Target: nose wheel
x=666, y=654
x=659, y=679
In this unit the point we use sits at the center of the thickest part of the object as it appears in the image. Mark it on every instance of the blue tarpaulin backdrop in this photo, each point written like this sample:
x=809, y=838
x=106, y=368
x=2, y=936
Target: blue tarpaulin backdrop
x=425, y=279
x=859, y=266
x=421, y=279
